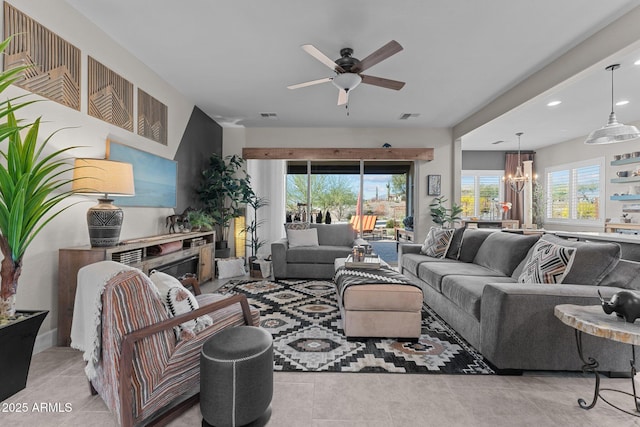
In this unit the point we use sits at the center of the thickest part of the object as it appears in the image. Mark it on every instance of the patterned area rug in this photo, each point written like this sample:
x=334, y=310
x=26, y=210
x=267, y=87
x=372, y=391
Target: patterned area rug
x=304, y=319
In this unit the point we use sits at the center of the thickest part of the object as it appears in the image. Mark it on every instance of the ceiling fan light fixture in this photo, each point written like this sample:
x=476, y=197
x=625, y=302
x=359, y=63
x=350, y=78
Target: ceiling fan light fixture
x=346, y=81
x=613, y=131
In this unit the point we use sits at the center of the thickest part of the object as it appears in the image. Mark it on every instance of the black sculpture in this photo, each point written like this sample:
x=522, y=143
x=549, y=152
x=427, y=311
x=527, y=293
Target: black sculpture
x=626, y=304
x=319, y=218
x=327, y=218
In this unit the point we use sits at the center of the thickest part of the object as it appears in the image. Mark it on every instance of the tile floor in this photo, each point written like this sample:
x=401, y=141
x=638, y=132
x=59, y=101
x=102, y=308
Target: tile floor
x=329, y=399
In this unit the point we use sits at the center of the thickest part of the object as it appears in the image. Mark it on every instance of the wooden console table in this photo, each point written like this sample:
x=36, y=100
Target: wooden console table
x=133, y=252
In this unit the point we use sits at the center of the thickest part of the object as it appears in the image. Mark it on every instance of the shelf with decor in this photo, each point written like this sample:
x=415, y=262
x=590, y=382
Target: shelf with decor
x=625, y=179
x=626, y=197
x=628, y=161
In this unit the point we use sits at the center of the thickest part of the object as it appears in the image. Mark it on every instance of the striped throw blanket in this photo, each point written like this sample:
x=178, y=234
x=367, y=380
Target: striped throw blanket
x=346, y=277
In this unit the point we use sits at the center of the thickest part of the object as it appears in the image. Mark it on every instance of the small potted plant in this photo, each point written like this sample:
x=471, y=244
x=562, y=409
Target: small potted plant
x=200, y=221
x=442, y=215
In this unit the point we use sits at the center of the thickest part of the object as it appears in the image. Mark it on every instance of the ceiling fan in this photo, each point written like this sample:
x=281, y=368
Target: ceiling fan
x=348, y=69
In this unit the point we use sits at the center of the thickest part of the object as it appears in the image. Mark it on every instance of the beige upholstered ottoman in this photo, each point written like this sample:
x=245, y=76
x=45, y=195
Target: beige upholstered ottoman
x=379, y=309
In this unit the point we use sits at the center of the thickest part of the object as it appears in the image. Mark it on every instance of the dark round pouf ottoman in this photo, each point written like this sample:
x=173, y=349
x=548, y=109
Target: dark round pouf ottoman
x=236, y=377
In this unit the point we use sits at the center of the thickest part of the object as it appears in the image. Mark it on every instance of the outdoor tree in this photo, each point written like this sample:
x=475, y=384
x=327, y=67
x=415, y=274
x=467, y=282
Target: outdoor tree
x=399, y=185
x=332, y=192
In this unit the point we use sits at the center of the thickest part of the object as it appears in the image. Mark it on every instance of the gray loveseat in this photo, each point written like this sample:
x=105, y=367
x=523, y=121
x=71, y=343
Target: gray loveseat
x=314, y=262
x=474, y=289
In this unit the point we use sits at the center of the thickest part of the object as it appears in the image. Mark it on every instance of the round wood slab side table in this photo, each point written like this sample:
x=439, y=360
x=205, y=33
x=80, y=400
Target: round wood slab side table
x=594, y=321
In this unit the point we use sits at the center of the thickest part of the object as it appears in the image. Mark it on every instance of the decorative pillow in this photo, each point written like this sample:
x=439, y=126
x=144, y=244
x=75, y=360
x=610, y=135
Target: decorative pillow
x=299, y=238
x=230, y=267
x=549, y=263
x=456, y=243
x=437, y=242
x=592, y=261
x=179, y=300
x=296, y=226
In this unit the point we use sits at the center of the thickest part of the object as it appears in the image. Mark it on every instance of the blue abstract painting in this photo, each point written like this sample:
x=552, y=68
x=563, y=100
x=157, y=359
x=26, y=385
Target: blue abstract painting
x=155, y=178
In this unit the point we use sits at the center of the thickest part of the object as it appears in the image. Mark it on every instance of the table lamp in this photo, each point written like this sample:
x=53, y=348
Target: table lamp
x=106, y=177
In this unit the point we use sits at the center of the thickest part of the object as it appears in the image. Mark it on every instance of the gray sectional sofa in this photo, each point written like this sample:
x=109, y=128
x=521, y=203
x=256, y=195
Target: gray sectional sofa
x=314, y=262
x=474, y=289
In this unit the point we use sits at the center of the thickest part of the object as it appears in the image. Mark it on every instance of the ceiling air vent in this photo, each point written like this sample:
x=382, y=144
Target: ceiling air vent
x=406, y=116
x=270, y=116
x=497, y=142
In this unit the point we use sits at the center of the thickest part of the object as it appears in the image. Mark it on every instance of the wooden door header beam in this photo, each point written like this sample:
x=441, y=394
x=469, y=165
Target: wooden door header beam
x=338, y=153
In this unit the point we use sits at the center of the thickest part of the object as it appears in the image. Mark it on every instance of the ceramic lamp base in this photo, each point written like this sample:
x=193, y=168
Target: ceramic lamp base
x=104, y=221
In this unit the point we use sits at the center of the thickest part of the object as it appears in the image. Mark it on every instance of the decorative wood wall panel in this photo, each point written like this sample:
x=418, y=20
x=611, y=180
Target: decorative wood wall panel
x=55, y=63
x=152, y=118
x=110, y=96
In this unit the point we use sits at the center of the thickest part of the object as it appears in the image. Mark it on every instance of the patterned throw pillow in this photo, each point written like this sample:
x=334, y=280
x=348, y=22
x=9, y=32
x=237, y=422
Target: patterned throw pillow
x=437, y=242
x=179, y=300
x=549, y=263
x=295, y=226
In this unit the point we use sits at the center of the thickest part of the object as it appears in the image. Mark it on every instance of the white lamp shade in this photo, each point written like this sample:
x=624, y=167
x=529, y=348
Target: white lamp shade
x=347, y=81
x=100, y=176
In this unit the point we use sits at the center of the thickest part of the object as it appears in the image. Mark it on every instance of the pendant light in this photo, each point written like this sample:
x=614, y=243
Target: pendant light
x=613, y=131
x=517, y=181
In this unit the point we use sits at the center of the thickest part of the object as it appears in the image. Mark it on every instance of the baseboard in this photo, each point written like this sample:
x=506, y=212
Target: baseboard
x=45, y=341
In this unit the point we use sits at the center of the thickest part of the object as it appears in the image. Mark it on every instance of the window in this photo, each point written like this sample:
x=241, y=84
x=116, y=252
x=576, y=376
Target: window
x=574, y=192
x=479, y=193
x=335, y=186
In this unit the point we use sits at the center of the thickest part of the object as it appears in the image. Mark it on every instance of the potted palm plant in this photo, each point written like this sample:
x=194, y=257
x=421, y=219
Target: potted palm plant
x=254, y=242
x=31, y=187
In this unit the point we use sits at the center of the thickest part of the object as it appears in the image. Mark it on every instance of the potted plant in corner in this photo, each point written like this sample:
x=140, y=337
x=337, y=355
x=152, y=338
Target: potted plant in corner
x=31, y=187
x=254, y=242
x=224, y=190
x=442, y=215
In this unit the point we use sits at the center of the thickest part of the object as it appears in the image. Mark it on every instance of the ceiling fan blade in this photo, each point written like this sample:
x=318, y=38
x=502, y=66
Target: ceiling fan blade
x=343, y=97
x=379, y=55
x=311, y=83
x=311, y=50
x=379, y=81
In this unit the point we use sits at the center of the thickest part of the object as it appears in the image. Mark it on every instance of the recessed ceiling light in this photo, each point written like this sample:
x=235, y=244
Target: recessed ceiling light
x=554, y=103
x=623, y=102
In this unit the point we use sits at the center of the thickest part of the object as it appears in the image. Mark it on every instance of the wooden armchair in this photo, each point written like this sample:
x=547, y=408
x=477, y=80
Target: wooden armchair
x=143, y=369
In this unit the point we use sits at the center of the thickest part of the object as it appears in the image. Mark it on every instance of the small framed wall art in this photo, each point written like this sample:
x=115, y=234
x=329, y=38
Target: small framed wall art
x=433, y=185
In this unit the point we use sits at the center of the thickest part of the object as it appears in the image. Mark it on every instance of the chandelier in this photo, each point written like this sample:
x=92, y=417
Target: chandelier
x=517, y=181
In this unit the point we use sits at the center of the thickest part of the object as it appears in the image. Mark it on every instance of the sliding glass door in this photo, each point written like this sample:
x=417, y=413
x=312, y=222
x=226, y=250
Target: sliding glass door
x=373, y=195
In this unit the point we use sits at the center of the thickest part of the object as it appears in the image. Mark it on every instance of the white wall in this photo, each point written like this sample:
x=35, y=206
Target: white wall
x=38, y=283
x=576, y=150
x=438, y=139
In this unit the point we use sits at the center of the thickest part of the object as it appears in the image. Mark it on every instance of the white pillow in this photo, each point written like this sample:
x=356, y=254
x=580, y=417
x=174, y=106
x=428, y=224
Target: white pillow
x=302, y=237
x=179, y=300
x=231, y=268
x=437, y=242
